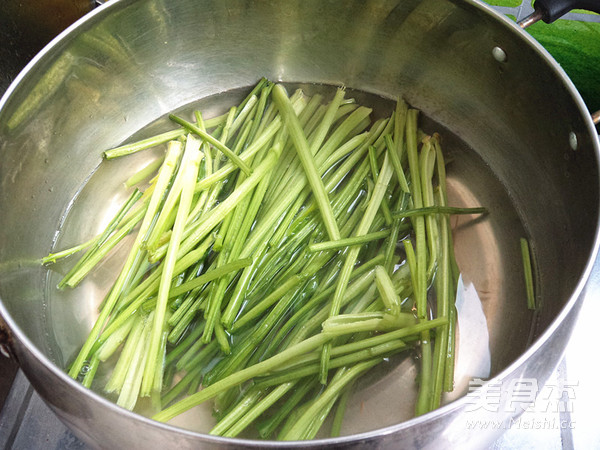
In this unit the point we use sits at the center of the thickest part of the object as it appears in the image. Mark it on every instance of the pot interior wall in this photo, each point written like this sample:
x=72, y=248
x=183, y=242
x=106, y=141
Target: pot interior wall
x=507, y=129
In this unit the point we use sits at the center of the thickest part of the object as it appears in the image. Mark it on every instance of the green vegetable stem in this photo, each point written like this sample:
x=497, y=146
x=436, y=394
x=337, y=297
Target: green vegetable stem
x=282, y=250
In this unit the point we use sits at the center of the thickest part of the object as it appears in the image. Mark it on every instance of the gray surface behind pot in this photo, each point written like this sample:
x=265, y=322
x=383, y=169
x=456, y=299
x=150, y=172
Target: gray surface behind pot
x=129, y=64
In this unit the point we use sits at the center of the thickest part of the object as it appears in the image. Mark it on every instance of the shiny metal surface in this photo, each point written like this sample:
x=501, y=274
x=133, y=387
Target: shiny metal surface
x=109, y=77
x=26, y=26
x=534, y=17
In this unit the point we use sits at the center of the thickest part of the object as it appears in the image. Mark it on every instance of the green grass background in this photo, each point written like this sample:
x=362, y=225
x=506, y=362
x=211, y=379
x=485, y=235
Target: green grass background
x=575, y=46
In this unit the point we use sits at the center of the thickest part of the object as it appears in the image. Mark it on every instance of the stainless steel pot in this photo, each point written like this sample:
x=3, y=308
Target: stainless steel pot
x=526, y=148
x=26, y=26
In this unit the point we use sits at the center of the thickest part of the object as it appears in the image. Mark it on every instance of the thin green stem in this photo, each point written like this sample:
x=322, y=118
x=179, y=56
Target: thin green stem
x=190, y=173
x=163, y=178
x=207, y=224
x=52, y=257
x=331, y=392
x=83, y=266
x=385, y=208
x=240, y=409
x=349, y=242
x=363, y=228
x=395, y=157
x=91, y=372
x=144, y=144
x=214, y=142
x=115, y=339
x=144, y=173
x=268, y=301
x=268, y=427
x=438, y=210
x=209, y=276
x=301, y=145
x=241, y=376
x=340, y=411
x=528, y=273
x=260, y=142
x=119, y=373
x=131, y=386
x=387, y=290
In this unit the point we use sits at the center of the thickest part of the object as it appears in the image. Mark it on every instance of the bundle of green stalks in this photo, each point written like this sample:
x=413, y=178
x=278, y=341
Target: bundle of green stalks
x=281, y=251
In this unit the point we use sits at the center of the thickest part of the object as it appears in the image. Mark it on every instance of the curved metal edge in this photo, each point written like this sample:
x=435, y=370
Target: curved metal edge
x=535, y=17
x=356, y=438
x=579, y=291
x=18, y=338
x=6, y=340
x=58, y=40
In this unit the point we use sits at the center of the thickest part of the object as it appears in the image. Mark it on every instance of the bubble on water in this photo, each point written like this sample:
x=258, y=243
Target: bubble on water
x=85, y=368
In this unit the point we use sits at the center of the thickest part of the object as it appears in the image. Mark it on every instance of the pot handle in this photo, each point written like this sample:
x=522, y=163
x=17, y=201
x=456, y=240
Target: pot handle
x=550, y=10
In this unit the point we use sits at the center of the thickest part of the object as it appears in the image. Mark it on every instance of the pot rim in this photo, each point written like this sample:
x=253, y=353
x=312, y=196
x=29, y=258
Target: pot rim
x=577, y=295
